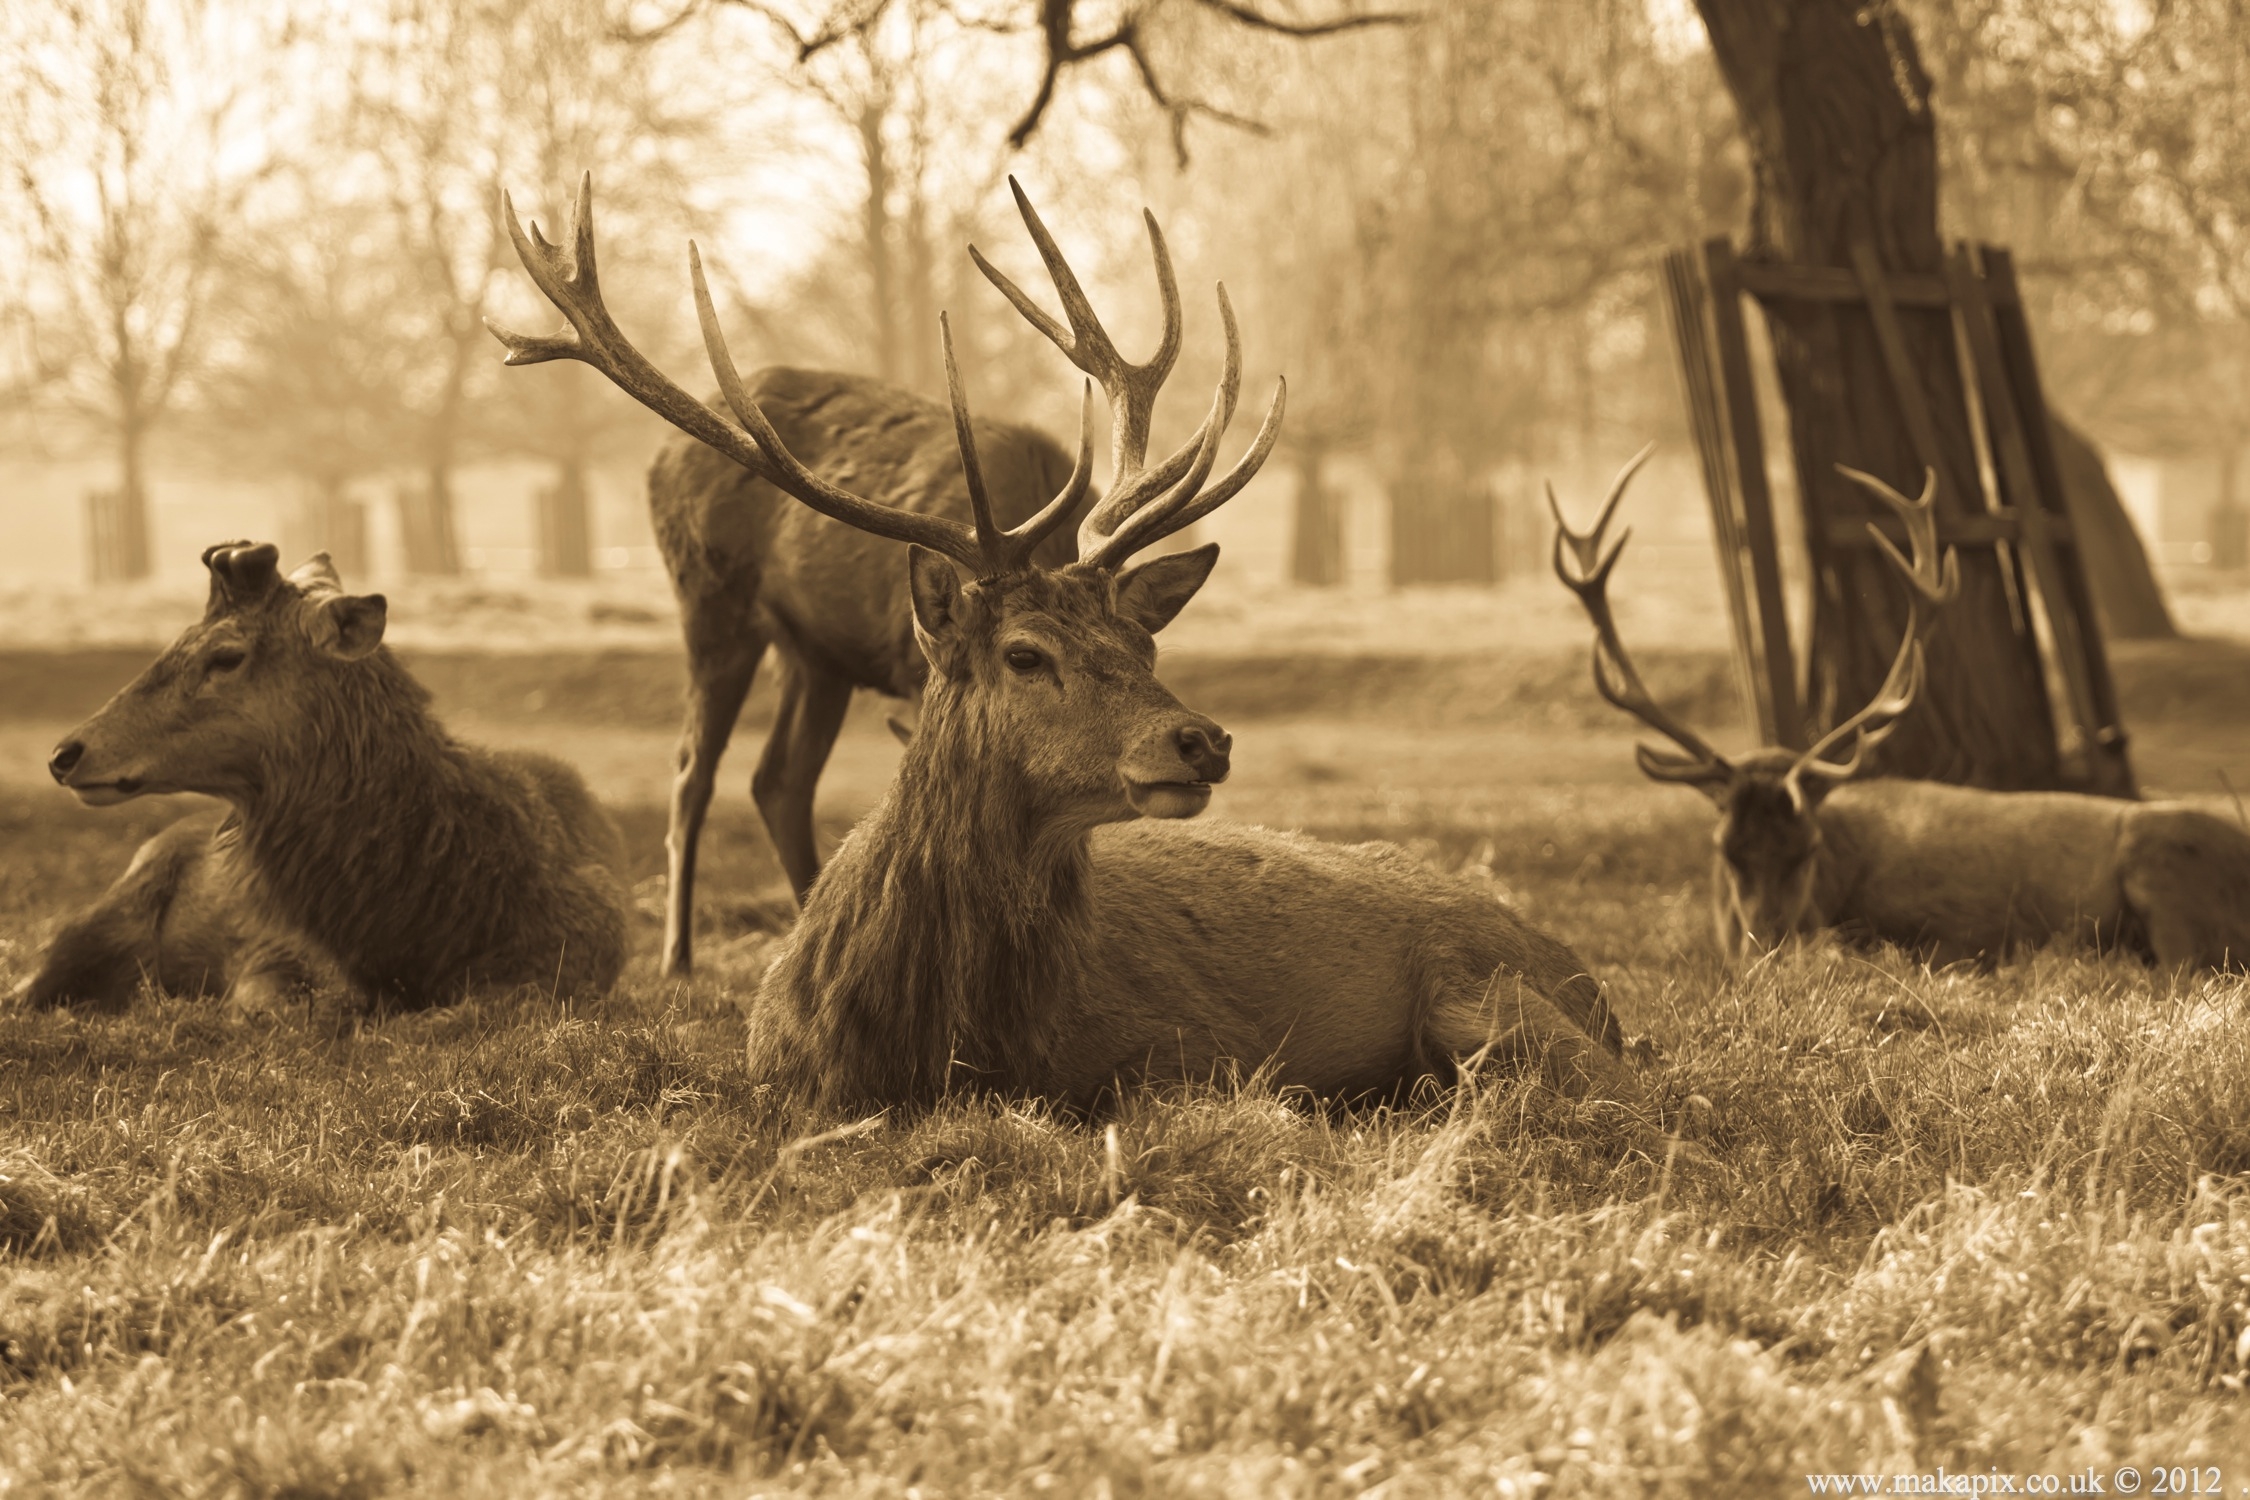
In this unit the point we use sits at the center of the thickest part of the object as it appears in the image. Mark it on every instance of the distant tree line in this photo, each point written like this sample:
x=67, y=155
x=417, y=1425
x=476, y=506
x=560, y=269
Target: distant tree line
x=1441, y=219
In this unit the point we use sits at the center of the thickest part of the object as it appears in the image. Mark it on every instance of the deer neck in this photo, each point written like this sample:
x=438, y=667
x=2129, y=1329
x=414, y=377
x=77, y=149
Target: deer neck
x=943, y=942
x=346, y=823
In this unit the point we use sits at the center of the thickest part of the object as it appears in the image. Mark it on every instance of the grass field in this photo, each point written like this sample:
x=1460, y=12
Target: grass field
x=1991, y=1221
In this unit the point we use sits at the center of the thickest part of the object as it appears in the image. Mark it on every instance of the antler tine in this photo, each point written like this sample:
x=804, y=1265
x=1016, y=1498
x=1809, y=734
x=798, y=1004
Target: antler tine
x=1131, y=388
x=595, y=339
x=1615, y=677
x=1156, y=502
x=963, y=544
x=1025, y=539
x=972, y=469
x=1871, y=725
x=1163, y=517
x=1933, y=575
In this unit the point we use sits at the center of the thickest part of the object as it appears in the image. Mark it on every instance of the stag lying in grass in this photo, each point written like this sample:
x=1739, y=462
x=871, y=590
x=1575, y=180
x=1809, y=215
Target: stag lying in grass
x=999, y=920
x=1953, y=872
x=363, y=843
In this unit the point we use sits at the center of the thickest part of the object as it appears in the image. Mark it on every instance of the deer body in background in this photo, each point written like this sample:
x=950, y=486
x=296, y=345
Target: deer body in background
x=753, y=569
x=990, y=924
x=362, y=843
x=1955, y=872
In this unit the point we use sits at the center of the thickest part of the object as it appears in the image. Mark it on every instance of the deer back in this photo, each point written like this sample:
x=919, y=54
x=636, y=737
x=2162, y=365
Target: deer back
x=835, y=592
x=1217, y=945
x=1971, y=871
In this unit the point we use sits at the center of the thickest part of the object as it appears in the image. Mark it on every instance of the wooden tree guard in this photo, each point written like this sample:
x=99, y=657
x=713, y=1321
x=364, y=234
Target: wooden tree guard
x=2023, y=515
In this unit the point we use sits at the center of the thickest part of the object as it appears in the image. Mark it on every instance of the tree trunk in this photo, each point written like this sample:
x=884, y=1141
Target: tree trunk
x=118, y=519
x=426, y=525
x=876, y=230
x=1316, y=539
x=566, y=541
x=2229, y=524
x=329, y=520
x=426, y=519
x=1835, y=110
x=2126, y=595
x=1441, y=528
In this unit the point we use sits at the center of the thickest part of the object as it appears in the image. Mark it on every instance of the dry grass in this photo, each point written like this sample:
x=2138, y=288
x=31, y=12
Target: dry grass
x=1978, y=1220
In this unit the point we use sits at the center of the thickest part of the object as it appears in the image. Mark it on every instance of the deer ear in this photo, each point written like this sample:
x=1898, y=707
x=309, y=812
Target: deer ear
x=317, y=571
x=1153, y=593
x=936, y=591
x=349, y=626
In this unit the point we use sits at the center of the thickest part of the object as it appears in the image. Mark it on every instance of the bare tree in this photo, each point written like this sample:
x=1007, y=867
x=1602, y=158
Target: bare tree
x=308, y=382
x=451, y=98
x=1147, y=33
x=581, y=99
x=1551, y=156
x=126, y=170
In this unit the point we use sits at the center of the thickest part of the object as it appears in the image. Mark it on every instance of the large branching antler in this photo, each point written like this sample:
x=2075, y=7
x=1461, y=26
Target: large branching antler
x=570, y=281
x=1145, y=502
x=1614, y=674
x=1931, y=576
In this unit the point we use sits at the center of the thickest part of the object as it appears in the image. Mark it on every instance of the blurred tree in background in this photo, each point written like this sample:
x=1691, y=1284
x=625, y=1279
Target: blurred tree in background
x=135, y=146
x=1441, y=220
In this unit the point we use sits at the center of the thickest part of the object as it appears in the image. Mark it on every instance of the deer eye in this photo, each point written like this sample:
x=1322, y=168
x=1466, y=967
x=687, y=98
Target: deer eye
x=1024, y=659
x=224, y=661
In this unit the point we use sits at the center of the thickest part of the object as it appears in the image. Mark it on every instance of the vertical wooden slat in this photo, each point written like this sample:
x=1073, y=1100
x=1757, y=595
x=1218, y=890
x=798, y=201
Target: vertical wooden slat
x=1723, y=284
x=1685, y=299
x=1913, y=403
x=2013, y=389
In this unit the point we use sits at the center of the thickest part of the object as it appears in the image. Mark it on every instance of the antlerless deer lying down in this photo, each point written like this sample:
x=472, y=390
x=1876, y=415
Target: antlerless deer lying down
x=362, y=842
x=1024, y=910
x=1956, y=872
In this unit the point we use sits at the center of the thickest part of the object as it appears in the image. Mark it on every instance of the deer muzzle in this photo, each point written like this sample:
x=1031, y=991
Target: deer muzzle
x=1173, y=776
x=68, y=766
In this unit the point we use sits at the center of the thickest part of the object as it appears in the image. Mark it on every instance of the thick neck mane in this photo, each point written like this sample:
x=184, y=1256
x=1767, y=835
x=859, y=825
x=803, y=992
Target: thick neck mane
x=374, y=833
x=942, y=940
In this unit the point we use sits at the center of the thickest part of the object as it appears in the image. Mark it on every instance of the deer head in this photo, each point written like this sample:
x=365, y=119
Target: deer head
x=203, y=715
x=1768, y=839
x=1050, y=670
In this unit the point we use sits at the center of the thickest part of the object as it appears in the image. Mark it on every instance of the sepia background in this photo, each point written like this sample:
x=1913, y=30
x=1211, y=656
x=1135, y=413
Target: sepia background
x=1989, y=1218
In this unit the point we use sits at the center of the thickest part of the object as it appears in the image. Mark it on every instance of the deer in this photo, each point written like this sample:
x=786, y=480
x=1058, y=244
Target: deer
x=1807, y=842
x=1028, y=909
x=753, y=570
x=360, y=844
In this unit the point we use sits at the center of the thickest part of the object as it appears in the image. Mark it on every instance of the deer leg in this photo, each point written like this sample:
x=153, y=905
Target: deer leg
x=722, y=663
x=1518, y=1025
x=804, y=731
x=103, y=953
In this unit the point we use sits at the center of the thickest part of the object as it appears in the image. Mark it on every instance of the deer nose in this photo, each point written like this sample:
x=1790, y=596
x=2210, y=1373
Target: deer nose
x=65, y=759
x=1204, y=747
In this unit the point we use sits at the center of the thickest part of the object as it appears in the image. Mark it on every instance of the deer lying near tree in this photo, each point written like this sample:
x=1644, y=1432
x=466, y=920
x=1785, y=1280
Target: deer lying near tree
x=990, y=924
x=362, y=842
x=1954, y=872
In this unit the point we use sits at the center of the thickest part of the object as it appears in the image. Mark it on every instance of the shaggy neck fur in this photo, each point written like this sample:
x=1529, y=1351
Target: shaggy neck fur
x=941, y=943
x=376, y=835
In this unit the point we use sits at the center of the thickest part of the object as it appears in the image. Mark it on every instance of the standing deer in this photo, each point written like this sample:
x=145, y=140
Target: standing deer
x=362, y=840
x=1000, y=920
x=752, y=569
x=1957, y=872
